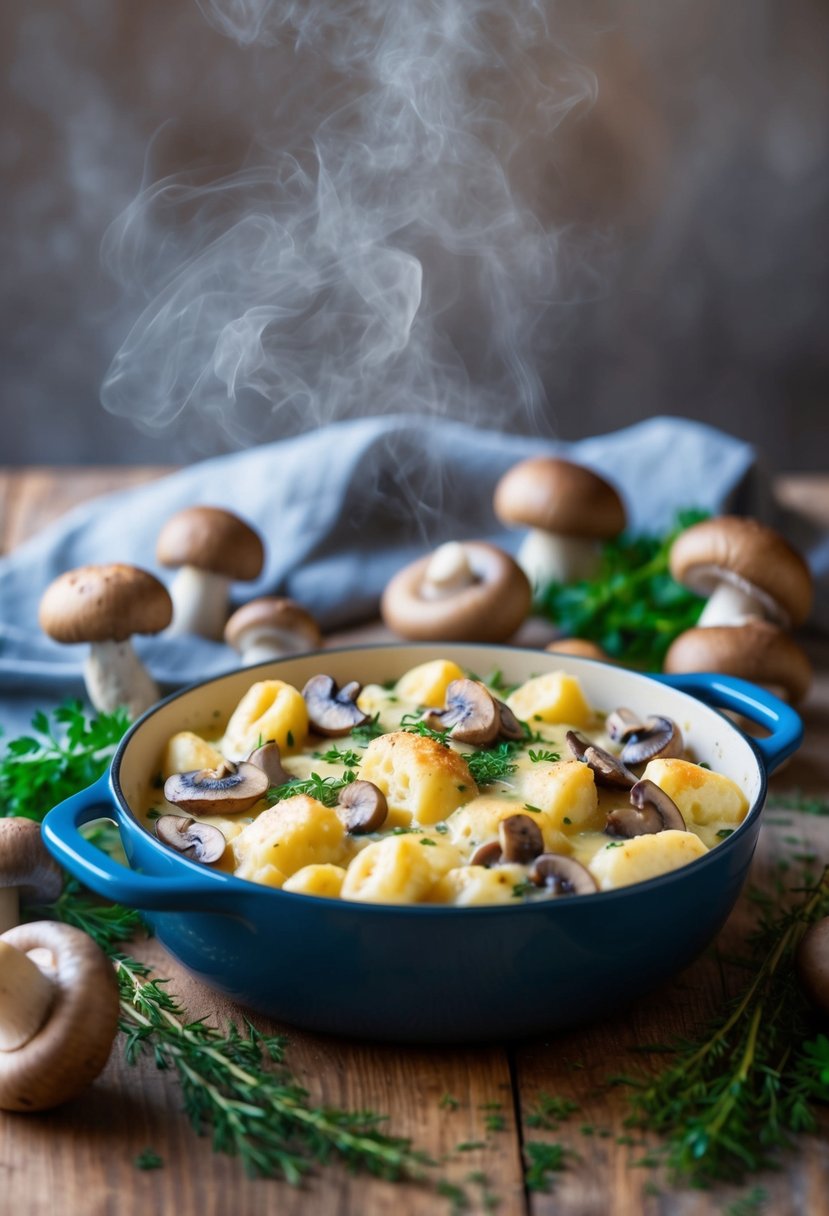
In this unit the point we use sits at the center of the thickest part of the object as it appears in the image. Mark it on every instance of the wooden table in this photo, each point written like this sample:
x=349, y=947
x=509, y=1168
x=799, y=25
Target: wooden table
x=79, y=1161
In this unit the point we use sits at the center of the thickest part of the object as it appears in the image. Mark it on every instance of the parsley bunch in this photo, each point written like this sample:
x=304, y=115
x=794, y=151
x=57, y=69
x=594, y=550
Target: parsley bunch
x=632, y=608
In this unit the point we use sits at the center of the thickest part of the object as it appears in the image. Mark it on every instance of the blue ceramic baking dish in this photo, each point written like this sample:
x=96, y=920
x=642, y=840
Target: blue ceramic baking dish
x=430, y=973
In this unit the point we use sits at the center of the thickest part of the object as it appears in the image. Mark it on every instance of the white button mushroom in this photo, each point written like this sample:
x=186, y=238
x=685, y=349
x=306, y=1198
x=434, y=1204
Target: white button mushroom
x=480, y=595
x=58, y=1014
x=747, y=570
x=211, y=548
x=28, y=872
x=105, y=605
x=569, y=510
x=270, y=627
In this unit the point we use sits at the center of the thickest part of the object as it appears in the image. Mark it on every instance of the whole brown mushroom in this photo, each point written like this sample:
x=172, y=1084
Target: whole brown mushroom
x=211, y=548
x=582, y=648
x=105, y=605
x=569, y=510
x=28, y=872
x=59, y=1011
x=270, y=627
x=462, y=592
x=756, y=650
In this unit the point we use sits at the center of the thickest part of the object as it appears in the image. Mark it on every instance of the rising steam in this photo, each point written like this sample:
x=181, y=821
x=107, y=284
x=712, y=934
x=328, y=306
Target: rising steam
x=382, y=255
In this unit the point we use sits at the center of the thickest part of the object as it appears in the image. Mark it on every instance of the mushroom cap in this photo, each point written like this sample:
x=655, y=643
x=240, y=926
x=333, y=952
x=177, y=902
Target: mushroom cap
x=272, y=612
x=756, y=651
x=25, y=862
x=488, y=610
x=73, y=1045
x=104, y=604
x=214, y=540
x=557, y=496
x=747, y=554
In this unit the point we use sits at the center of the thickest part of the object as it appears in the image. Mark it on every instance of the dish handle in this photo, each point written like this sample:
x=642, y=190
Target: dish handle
x=759, y=706
x=205, y=891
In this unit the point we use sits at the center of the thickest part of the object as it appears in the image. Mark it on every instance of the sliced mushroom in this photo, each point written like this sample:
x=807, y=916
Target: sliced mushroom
x=487, y=854
x=622, y=723
x=228, y=788
x=606, y=768
x=520, y=839
x=650, y=811
x=268, y=758
x=510, y=727
x=562, y=875
x=199, y=841
x=658, y=737
x=362, y=807
x=332, y=711
x=471, y=712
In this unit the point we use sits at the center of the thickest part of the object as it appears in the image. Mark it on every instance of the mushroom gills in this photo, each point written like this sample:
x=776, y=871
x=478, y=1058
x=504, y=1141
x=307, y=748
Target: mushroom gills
x=229, y=788
x=472, y=714
x=562, y=875
x=199, y=841
x=331, y=711
x=658, y=737
x=650, y=811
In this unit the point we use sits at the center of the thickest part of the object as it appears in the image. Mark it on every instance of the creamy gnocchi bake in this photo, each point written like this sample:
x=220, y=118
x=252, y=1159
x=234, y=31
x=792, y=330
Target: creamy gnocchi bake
x=441, y=788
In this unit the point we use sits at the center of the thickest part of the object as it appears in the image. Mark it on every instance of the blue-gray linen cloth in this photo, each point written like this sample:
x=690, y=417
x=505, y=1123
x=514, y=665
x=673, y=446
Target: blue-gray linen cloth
x=341, y=509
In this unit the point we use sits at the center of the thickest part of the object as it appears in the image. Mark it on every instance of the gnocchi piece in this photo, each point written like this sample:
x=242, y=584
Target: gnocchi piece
x=270, y=709
x=621, y=863
x=703, y=797
x=554, y=698
x=566, y=792
x=399, y=869
x=478, y=821
x=295, y=833
x=325, y=880
x=186, y=752
x=426, y=684
x=468, y=886
x=418, y=775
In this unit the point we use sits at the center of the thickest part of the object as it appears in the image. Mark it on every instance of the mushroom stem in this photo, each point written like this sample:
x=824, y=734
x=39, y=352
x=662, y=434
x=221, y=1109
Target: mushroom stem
x=26, y=996
x=730, y=604
x=9, y=908
x=199, y=602
x=448, y=571
x=267, y=644
x=549, y=558
x=115, y=676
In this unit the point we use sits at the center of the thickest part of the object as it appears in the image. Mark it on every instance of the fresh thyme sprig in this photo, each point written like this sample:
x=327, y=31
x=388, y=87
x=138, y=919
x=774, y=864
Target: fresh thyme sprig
x=730, y=1101
x=324, y=789
x=633, y=608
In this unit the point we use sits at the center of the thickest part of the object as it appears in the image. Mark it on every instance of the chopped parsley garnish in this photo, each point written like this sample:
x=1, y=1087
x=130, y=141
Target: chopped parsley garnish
x=723, y=832
x=413, y=724
x=334, y=755
x=546, y=757
x=368, y=730
x=426, y=840
x=324, y=789
x=521, y=889
x=494, y=764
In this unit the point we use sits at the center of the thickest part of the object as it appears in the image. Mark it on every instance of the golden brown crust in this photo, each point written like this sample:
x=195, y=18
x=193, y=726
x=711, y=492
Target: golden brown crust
x=104, y=604
x=489, y=610
x=758, y=651
x=212, y=539
x=745, y=552
x=272, y=612
x=418, y=752
x=560, y=497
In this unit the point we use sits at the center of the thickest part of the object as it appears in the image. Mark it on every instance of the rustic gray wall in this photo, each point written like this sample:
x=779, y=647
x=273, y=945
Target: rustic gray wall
x=670, y=158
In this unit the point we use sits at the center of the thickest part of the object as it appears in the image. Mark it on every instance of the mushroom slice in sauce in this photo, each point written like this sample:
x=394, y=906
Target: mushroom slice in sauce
x=520, y=839
x=226, y=789
x=606, y=768
x=488, y=854
x=510, y=727
x=658, y=737
x=650, y=810
x=199, y=841
x=621, y=723
x=562, y=875
x=268, y=758
x=332, y=711
x=362, y=807
x=471, y=712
